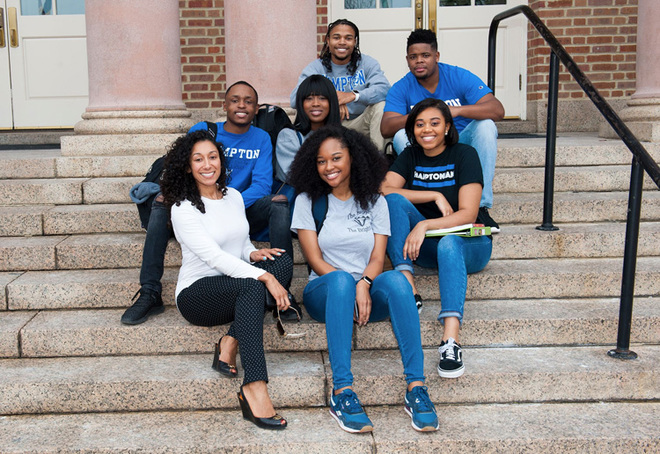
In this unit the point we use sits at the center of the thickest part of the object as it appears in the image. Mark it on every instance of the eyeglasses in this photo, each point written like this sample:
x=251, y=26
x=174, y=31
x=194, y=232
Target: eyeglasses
x=280, y=325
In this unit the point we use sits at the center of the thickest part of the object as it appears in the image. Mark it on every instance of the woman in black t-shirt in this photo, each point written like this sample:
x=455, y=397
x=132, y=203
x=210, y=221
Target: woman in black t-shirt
x=436, y=183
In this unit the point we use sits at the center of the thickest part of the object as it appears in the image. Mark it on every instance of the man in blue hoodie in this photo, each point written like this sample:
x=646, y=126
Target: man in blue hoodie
x=360, y=83
x=248, y=150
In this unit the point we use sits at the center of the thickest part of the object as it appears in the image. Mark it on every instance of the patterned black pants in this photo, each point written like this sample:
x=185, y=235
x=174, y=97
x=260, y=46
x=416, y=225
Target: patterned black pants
x=217, y=300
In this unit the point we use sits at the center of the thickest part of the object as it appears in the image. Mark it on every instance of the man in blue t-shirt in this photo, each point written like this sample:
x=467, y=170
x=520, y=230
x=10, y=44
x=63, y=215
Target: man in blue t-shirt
x=472, y=104
x=248, y=150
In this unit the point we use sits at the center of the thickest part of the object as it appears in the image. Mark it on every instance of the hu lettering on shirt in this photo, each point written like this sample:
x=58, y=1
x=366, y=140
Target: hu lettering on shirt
x=349, y=83
x=242, y=153
x=434, y=177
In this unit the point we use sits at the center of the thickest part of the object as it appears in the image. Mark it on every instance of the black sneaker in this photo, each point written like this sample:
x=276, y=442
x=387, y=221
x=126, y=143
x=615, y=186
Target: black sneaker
x=149, y=303
x=451, y=359
x=486, y=220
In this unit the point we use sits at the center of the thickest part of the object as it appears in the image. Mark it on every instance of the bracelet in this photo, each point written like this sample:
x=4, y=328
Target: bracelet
x=366, y=279
x=357, y=95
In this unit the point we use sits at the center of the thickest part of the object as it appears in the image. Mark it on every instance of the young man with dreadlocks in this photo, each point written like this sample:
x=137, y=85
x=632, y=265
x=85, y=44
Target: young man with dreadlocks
x=360, y=83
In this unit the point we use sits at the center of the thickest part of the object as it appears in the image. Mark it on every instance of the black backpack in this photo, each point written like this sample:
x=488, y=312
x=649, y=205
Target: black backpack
x=272, y=119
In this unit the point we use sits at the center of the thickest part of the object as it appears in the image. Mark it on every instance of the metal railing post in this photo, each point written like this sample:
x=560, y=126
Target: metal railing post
x=550, y=145
x=622, y=350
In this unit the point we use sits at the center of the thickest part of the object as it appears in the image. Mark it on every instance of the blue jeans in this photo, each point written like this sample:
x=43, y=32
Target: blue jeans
x=482, y=136
x=454, y=256
x=331, y=299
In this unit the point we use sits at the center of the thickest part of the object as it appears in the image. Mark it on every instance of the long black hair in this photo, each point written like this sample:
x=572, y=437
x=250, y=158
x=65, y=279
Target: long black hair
x=178, y=183
x=315, y=84
x=368, y=166
x=452, y=134
x=326, y=58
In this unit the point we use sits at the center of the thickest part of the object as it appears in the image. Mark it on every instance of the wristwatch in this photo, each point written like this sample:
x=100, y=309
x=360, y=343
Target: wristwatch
x=357, y=95
x=367, y=279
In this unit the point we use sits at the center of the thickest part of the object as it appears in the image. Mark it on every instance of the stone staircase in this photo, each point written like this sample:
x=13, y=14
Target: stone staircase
x=539, y=321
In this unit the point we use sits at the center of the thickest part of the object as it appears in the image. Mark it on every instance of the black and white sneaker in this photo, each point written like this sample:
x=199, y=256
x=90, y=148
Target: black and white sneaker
x=451, y=359
x=485, y=219
x=419, y=302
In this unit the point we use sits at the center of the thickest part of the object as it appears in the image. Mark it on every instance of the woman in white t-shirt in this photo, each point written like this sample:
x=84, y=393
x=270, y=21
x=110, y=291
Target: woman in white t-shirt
x=223, y=278
x=341, y=170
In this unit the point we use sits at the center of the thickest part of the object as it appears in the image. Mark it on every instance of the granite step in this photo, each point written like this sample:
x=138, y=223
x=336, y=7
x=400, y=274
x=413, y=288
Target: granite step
x=182, y=382
x=577, y=179
x=67, y=191
x=603, y=428
x=539, y=278
x=529, y=322
x=124, y=250
x=510, y=208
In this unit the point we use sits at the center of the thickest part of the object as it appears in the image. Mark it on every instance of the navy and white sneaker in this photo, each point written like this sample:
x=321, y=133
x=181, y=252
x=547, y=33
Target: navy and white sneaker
x=345, y=407
x=421, y=410
x=451, y=359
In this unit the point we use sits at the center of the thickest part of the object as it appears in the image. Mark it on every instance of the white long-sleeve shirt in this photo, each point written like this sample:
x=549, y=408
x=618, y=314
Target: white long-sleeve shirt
x=214, y=243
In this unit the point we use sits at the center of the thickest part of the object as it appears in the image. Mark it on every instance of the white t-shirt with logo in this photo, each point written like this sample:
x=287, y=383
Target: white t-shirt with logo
x=347, y=237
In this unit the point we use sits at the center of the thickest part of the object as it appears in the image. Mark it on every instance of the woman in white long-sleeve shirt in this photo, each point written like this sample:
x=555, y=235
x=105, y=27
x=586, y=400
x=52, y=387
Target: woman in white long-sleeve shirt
x=223, y=277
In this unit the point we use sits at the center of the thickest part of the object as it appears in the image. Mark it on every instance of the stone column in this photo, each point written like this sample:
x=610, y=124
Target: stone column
x=642, y=114
x=134, y=60
x=269, y=43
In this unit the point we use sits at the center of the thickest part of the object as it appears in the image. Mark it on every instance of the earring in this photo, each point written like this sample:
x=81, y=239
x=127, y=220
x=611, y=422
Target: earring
x=446, y=132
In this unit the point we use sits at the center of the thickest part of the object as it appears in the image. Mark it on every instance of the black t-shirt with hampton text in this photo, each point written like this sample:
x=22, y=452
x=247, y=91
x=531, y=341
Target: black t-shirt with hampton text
x=458, y=165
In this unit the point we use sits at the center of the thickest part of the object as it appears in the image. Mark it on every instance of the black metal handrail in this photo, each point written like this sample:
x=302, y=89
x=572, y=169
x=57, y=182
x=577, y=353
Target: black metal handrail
x=642, y=161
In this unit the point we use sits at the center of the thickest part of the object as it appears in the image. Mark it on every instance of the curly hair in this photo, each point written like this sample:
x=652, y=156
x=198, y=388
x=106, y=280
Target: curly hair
x=177, y=183
x=422, y=36
x=325, y=56
x=431, y=103
x=316, y=84
x=368, y=166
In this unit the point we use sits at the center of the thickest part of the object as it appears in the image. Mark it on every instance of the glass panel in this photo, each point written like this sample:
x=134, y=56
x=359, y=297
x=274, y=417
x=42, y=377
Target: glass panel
x=395, y=3
x=489, y=2
x=70, y=7
x=36, y=7
x=455, y=2
x=359, y=4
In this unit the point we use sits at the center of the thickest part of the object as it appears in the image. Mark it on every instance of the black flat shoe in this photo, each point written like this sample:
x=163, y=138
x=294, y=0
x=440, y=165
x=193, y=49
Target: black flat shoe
x=275, y=422
x=228, y=370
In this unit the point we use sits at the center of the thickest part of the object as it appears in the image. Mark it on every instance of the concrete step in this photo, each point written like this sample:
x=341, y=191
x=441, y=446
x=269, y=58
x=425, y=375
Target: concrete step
x=501, y=279
x=509, y=209
x=33, y=137
x=124, y=250
x=28, y=163
x=532, y=322
x=604, y=428
x=576, y=179
x=181, y=382
x=109, y=190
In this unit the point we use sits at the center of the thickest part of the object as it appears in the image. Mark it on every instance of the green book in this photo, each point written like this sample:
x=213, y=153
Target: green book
x=461, y=230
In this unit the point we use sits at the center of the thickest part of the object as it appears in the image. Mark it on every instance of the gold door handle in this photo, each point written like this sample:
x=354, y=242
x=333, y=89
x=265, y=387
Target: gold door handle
x=419, y=13
x=2, y=28
x=13, y=28
x=433, y=14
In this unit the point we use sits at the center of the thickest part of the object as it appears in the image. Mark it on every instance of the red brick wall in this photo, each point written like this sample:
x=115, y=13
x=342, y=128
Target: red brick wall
x=601, y=37
x=202, y=53
x=321, y=22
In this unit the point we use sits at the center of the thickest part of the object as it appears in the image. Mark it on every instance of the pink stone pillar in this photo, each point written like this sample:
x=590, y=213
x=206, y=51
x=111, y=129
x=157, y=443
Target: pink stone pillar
x=269, y=43
x=134, y=62
x=642, y=114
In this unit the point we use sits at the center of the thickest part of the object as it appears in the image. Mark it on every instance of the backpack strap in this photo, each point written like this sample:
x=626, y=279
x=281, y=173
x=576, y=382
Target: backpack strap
x=300, y=137
x=213, y=129
x=319, y=211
